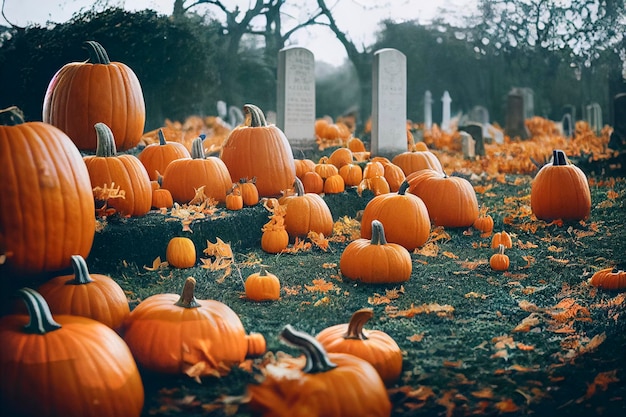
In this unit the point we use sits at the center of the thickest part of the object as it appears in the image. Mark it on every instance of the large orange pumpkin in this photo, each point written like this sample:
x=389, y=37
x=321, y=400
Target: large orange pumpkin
x=45, y=195
x=412, y=161
x=107, y=168
x=257, y=149
x=82, y=94
x=77, y=367
x=306, y=212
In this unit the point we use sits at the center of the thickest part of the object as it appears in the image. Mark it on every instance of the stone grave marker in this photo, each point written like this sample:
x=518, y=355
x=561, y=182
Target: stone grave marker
x=475, y=130
x=468, y=145
x=567, y=125
x=594, y=117
x=388, y=103
x=428, y=110
x=295, y=113
x=529, y=102
x=515, y=115
x=445, y=119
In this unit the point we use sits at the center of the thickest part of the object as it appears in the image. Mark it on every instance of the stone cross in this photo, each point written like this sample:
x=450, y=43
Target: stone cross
x=295, y=101
x=389, y=130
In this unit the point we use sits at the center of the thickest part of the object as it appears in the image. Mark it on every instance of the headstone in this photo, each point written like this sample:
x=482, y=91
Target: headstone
x=529, y=102
x=515, y=111
x=445, y=119
x=571, y=109
x=480, y=114
x=295, y=114
x=389, y=135
x=618, y=137
x=428, y=110
x=222, y=109
x=468, y=145
x=567, y=125
x=475, y=130
x=594, y=117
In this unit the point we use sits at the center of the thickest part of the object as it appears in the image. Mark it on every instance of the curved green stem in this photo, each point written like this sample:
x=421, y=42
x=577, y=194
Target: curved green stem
x=106, y=143
x=11, y=116
x=404, y=186
x=187, y=298
x=378, y=233
x=162, y=140
x=254, y=116
x=559, y=158
x=97, y=54
x=41, y=321
x=317, y=359
x=299, y=187
x=197, y=149
x=358, y=320
x=81, y=272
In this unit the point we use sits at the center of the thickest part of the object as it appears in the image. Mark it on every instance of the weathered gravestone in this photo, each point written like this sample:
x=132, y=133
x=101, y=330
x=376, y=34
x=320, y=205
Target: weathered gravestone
x=295, y=114
x=594, y=117
x=567, y=125
x=468, y=145
x=618, y=137
x=515, y=114
x=475, y=130
x=389, y=135
x=428, y=110
x=445, y=118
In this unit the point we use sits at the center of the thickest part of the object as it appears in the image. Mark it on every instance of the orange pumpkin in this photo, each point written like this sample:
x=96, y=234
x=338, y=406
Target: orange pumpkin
x=107, y=167
x=312, y=182
x=95, y=296
x=306, y=212
x=162, y=198
x=334, y=184
x=484, y=224
x=82, y=94
x=499, y=261
x=375, y=346
x=262, y=286
x=303, y=166
x=412, y=161
x=234, y=200
x=501, y=238
x=157, y=156
x=181, y=252
x=325, y=169
x=340, y=157
x=394, y=176
x=256, y=149
x=39, y=196
x=249, y=192
x=352, y=174
x=78, y=367
x=609, y=279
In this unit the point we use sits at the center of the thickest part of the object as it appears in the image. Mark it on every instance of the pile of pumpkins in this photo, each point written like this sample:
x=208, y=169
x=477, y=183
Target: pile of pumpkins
x=79, y=330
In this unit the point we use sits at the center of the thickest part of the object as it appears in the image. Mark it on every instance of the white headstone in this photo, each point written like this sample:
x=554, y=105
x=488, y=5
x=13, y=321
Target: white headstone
x=445, y=120
x=428, y=110
x=389, y=135
x=295, y=114
x=468, y=145
x=222, y=109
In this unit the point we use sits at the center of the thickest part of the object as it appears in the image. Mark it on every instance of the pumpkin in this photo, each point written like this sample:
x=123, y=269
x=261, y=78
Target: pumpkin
x=262, y=286
x=306, y=212
x=274, y=238
x=249, y=192
x=257, y=345
x=303, y=166
x=373, y=169
x=451, y=201
x=340, y=157
x=186, y=175
x=377, y=185
x=394, y=176
x=356, y=145
x=352, y=174
x=325, y=169
x=162, y=198
x=412, y=161
x=609, y=279
x=501, y=238
x=82, y=94
x=375, y=261
x=181, y=252
x=312, y=182
x=157, y=156
x=175, y=334
x=560, y=191
x=334, y=184
x=499, y=261
x=107, y=167
x=95, y=296
x=375, y=346
x=44, y=196
x=484, y=224
x=256, y=149
x=403, y=215
x=78, y=367
x=234, y=200
x=327, y=385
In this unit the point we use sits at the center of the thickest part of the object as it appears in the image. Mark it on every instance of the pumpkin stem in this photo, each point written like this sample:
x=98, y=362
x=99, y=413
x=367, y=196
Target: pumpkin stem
x=254, y=116
x=559, y=158
x=378, y=233
x=404, y=186
x=106, y=143
x=187, y=298
x=358, y=320
x=97, y=54
x=299, y=187
x=501, y=249
x=162, y=140
x=81, y=272
x=197, y=150
x=41, y=321
x=317, y=359
x=11, y=116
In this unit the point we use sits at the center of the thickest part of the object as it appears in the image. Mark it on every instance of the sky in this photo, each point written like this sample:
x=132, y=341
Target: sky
x=358, y=18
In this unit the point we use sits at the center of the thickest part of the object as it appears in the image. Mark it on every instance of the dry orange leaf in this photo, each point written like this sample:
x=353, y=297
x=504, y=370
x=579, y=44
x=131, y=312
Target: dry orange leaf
x=156, y=264
x=320, y=285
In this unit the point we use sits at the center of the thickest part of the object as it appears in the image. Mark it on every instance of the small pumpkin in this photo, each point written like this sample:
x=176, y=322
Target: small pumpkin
x=325, y=168
x=275, y=238
x=328, y=385
x=312, y=182
x=499, y=261
x=178, y=334
x=95, y=296
x=356, y=145
x=234, y=199
x=257, y=345
x=156, y=156
x=375, y=261
x=484, y=224
x=306, y=212
x=560, y=190
x=181, y=252
x=82, y=94
x=262, y=286
x=334, y=184
x=417, y=160
x=261, y=150
x=501, y=238
x=249, y=192
x=107, y=167
x=340, y=157
x=377, y=185
x=352, y=174
x=162, y=198
x=394, y=176
x=373, y=169
x=375, y=346
x=303, y=166
x=77, y=366
x=609, y=279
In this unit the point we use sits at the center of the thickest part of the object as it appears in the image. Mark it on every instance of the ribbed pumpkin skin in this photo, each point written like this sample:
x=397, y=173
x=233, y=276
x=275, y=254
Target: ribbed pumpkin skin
x=451, y=201
x=609, y=279
x=262, y=151
x=416, y=161
x=82, y=94
x=306, y=212
x=183, y=176
x=83, y=369
x=560, y=191
x=46, y=203
x=157, y=156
